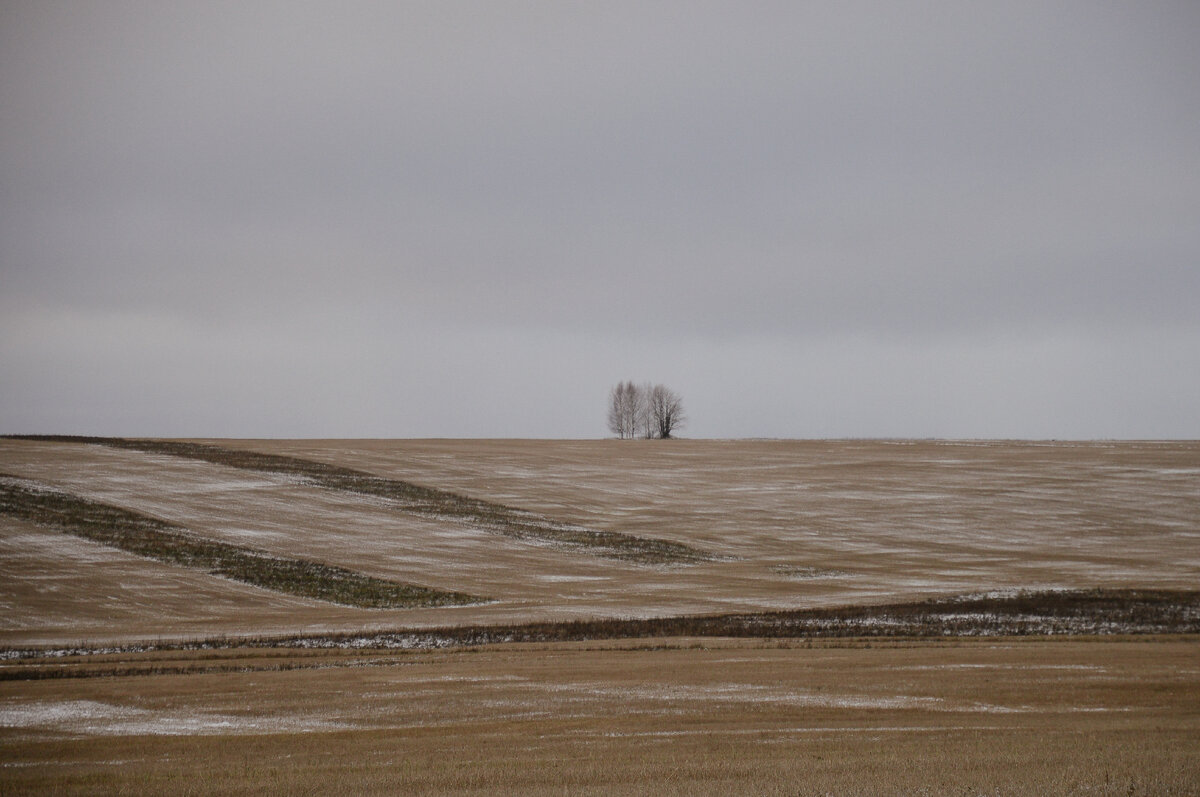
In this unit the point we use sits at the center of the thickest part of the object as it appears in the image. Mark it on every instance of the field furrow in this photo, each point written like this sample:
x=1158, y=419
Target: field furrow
x=417, y=499
x=156, y=539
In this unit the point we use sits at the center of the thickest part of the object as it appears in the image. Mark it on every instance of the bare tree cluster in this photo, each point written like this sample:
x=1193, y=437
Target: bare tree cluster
x=645, y=410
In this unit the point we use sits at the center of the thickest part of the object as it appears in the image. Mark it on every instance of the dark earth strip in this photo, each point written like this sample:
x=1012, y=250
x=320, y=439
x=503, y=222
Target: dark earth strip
x=1098, y=612
x=40, y=670
x=1041, y=613
x=416, y=499
x=165, y=542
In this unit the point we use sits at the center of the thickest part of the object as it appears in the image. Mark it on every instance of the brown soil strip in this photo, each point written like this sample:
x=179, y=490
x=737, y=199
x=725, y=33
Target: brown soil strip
x=1042, y=613
x=417, y=499
x=40, y=671
x=156, y=539
x=1099, y=612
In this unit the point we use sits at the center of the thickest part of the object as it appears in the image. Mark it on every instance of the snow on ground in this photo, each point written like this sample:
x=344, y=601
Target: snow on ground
x=94, y=718
x=798, y=524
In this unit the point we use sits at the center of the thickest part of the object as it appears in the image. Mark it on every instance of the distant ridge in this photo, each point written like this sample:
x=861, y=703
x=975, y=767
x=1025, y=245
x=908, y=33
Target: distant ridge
x=416, y=499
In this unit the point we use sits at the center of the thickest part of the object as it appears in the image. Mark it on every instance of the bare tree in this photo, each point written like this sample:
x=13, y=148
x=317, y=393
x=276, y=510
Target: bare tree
x=644, y=410
x=628, y=410
x=666, y=408
x=616, y=414
x=643, y=420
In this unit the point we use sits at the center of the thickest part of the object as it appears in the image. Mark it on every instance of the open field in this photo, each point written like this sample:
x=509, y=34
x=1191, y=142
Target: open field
x=151, y=538
x=780, y=544
x=669, y=716
x=790, y=524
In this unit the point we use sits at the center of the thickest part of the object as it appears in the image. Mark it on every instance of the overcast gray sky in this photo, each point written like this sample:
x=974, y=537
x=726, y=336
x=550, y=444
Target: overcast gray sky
x=898, y=219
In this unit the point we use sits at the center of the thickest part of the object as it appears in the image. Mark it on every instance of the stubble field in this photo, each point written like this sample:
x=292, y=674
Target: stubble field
x=98, y=691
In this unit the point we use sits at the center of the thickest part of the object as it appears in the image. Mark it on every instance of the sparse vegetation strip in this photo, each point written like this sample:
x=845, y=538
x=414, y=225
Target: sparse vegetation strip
x=1042, y=613
x=40, y=671
x=1097, y=612
x=156, y=539
x=417, y=499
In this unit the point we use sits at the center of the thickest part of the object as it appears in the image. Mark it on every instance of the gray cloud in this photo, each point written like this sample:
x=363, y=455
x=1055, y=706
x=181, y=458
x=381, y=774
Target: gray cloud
x=462, y=218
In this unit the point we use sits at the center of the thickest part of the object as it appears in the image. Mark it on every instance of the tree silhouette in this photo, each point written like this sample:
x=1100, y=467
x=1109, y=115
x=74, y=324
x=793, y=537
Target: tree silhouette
x=646, y=410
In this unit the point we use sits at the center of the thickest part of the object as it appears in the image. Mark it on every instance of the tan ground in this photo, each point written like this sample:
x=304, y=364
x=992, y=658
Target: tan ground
x=798, y=524
x=685, y=717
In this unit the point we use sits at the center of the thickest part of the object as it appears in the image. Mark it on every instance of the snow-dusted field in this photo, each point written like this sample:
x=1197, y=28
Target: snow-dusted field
x=718, y=716
x=789, y=524
x=407, y=697
x=794, y=524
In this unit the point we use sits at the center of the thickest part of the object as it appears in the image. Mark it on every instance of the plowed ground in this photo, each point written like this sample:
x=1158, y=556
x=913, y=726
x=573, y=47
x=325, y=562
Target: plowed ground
x=788, y=525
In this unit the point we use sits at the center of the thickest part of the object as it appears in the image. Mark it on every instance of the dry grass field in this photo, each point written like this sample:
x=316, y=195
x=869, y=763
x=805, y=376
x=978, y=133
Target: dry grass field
x=542, y=531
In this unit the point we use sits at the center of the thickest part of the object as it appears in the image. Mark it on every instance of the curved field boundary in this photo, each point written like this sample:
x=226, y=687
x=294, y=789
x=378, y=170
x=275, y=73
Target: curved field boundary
x=417, y=499
x=165, y=542
x=1075, y=613
x=1028, y=613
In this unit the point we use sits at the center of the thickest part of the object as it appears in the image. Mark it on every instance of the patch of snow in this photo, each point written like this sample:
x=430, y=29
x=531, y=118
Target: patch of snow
x=89, y=717
x=555, y=577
